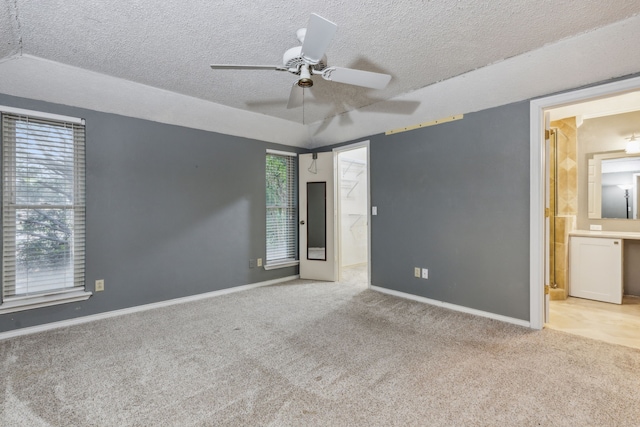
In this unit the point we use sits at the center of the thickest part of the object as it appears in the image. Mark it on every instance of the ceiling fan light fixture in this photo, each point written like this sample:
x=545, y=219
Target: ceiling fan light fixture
x=305, y=77
x=633, y=145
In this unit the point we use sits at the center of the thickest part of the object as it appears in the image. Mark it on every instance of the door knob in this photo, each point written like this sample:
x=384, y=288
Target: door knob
x=302, y=222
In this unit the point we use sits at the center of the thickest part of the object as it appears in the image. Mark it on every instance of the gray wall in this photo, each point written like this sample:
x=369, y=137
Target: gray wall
x=171, y=212
x=454, y=198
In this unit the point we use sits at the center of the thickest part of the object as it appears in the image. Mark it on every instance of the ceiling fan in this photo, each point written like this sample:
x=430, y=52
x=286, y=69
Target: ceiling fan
x=309, y=59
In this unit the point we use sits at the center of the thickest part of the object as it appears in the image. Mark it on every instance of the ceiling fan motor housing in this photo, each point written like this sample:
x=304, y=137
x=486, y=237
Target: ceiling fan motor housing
x=293, y=61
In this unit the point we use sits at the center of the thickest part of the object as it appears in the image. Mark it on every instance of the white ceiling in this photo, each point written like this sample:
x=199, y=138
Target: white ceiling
x=159, y=54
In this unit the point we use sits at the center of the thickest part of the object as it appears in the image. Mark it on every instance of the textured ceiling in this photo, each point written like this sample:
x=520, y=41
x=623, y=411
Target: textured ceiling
x=169, y=45
x=9, y=34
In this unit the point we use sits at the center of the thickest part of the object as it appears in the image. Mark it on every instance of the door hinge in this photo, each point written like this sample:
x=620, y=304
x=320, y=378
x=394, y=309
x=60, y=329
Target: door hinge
x=547, y=134
x=546, y=289
x=547, y=213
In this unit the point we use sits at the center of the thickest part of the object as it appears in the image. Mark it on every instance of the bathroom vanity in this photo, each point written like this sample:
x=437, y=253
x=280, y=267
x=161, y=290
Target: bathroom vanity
x=596, y=264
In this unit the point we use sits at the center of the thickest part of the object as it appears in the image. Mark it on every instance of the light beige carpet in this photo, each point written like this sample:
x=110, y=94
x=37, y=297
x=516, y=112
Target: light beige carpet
x=306, y=354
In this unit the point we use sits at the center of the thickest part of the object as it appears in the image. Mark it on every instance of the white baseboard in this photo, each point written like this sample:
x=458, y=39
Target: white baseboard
x=139, y=308
x=454, y=307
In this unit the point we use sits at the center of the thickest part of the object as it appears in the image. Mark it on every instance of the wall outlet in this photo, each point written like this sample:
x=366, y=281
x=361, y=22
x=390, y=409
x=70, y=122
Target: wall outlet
x=259, y=263
x=595, y=227
x=416, y=272
x=99, y=285
x=252, y=263
x=425, y=273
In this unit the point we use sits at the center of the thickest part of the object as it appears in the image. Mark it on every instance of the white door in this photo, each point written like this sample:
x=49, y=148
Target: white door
x=317, y=217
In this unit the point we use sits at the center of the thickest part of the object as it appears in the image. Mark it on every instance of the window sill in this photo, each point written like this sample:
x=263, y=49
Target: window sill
x=281, y=264
x=31, y=302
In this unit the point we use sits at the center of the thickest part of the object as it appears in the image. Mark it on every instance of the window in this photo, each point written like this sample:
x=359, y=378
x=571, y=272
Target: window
x=282, y=215
x=43, y=211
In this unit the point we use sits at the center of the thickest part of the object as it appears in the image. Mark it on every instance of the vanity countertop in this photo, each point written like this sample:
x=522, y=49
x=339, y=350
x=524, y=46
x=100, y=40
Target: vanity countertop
x=608, y=234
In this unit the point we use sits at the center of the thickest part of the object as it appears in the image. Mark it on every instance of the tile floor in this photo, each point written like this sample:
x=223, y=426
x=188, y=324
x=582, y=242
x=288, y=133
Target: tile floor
x=612, y=323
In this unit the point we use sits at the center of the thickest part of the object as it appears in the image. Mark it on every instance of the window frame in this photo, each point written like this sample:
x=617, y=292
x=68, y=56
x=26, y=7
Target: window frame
x=58, y=295
x=292, y=188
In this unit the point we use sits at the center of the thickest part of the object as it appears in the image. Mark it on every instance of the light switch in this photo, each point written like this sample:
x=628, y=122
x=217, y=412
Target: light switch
x=374, y=210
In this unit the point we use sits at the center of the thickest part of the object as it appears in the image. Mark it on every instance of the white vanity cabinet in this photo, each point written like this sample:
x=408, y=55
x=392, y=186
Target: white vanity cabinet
x=595, y=268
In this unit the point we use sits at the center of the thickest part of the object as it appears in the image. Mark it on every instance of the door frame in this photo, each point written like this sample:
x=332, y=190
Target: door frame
x=336, y=151
x=636, y=191
x=537, y=182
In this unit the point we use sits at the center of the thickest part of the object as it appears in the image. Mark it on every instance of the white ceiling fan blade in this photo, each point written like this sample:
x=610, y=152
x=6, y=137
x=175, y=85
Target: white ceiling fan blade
x=296, y=96
x=317, y=38
x=356, y=77
x=246, y=67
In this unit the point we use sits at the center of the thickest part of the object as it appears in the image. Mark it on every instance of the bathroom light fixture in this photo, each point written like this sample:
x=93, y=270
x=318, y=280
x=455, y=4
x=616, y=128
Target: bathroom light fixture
x=633, y=146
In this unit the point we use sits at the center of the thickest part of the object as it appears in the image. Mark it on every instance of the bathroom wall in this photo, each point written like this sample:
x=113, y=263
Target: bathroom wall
x=563, y=201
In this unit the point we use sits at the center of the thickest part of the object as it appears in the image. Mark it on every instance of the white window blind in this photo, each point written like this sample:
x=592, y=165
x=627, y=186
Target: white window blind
x=43, y=206
x=282, y=216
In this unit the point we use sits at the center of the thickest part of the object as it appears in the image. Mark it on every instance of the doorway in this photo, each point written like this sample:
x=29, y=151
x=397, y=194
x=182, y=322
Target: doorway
x=608, y=98
x=352, y=201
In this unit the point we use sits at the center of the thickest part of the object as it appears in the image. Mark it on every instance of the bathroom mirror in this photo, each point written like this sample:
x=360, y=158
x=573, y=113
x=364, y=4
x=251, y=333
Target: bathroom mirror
x=614, y=185
x=317, y=221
